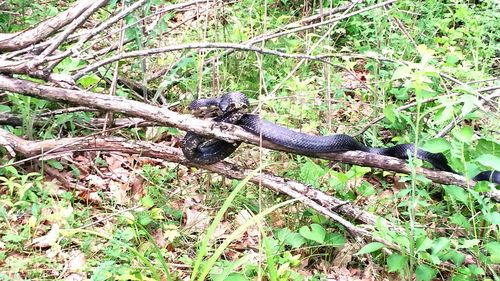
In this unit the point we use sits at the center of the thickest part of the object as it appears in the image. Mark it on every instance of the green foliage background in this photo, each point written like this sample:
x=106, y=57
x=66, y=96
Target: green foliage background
x=401, y=51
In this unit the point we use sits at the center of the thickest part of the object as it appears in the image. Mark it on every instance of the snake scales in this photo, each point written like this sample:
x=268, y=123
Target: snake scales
x=231, y=108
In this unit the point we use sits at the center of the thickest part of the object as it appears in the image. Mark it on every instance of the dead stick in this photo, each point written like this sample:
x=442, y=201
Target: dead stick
x=208, y=128
x=321, y=202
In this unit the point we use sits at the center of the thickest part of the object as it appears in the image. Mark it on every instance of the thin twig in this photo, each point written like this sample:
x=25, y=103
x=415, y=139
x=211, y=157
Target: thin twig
x=309, y=51
x=302, y=28
x=74, y=25
x=199, y=45
x=460, y=118
x=66, y=110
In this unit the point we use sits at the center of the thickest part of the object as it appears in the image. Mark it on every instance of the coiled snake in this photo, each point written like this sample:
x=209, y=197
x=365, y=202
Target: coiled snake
x=231, y=108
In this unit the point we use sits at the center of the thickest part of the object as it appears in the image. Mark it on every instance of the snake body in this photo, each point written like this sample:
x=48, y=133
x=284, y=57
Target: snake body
x=231, y=108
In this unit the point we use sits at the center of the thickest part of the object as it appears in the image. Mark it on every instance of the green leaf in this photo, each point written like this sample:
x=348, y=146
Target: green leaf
x=464, y=135
x=390, y=112
x=493, y=248
x=476, y=270
x=89, y=80
x=315, y=233
x=425, y=273
x=397, y=262
x=468, y=243
x=402, y=72
x=12, y=237
x=55, y=164
x=144, y=218
x=469, y=102
x=310, y=172
x=444, y=115
x=335, y=240
x=4, y=108
x=366, y=189
x=370, y=248
x=236, y=277
x=292, y=239
x=423, y=243
x=485, y=146
x=460, y=220
x=490, y=161
x=437, y=145
x=457, y=193
x=457, y=257
x=147, y=202
x=440, y=244
x=432, y=258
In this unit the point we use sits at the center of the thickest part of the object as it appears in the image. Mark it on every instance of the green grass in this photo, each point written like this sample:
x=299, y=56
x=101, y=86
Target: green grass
x=139, y=227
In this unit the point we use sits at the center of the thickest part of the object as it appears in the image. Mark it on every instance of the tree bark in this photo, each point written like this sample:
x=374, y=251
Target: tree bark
x=227, y=132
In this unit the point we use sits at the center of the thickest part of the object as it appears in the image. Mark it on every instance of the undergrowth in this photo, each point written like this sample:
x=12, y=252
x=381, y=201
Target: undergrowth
x=133, y=218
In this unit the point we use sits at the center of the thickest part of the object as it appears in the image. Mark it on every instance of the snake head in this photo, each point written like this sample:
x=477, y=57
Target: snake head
x=233, y=101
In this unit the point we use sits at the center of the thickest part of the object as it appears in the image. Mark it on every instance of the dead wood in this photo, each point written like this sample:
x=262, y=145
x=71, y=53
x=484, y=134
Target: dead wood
x=323, y=203
x=19, y=40
x=226, y=132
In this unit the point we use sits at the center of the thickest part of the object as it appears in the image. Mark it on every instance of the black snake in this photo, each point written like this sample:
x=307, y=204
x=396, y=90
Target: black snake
x=231, y=108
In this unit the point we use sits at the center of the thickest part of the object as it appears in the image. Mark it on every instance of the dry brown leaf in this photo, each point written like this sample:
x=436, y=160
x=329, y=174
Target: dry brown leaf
x=118, y=192
x=195, y=220
x=48, y=239
x=344, y=256
x=90, y=197
x=97, y=182
x=221, y=229
x=76, y=262
x=242, y=217
x=76, y=277
x=159, y=238
x=114, y=161
x=136, y=183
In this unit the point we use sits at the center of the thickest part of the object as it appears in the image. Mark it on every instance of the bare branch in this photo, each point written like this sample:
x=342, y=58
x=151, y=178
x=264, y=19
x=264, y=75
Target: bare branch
x=93, y=123
x=16, y=41
x=323, y=203
x=208, y=128
x=107, y=24
x=74, y=25
x=201, y=45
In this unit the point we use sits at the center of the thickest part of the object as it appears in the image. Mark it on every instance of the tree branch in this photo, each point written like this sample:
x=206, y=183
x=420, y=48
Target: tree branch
x=200, y=45
x=208, y=128
x=16, y=41
x=74, y=25
x=323, y=203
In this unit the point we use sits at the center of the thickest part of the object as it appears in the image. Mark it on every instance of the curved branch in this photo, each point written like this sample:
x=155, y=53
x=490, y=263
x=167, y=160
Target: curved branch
x=208, y=128
x=200, y=45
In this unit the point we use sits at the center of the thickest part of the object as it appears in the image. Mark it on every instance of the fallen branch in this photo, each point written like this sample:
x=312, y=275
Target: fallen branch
x=313, y=198
x=72, y=27
x=227, y=132
x=16, y=41
x=323, y=203
x=94, y=123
